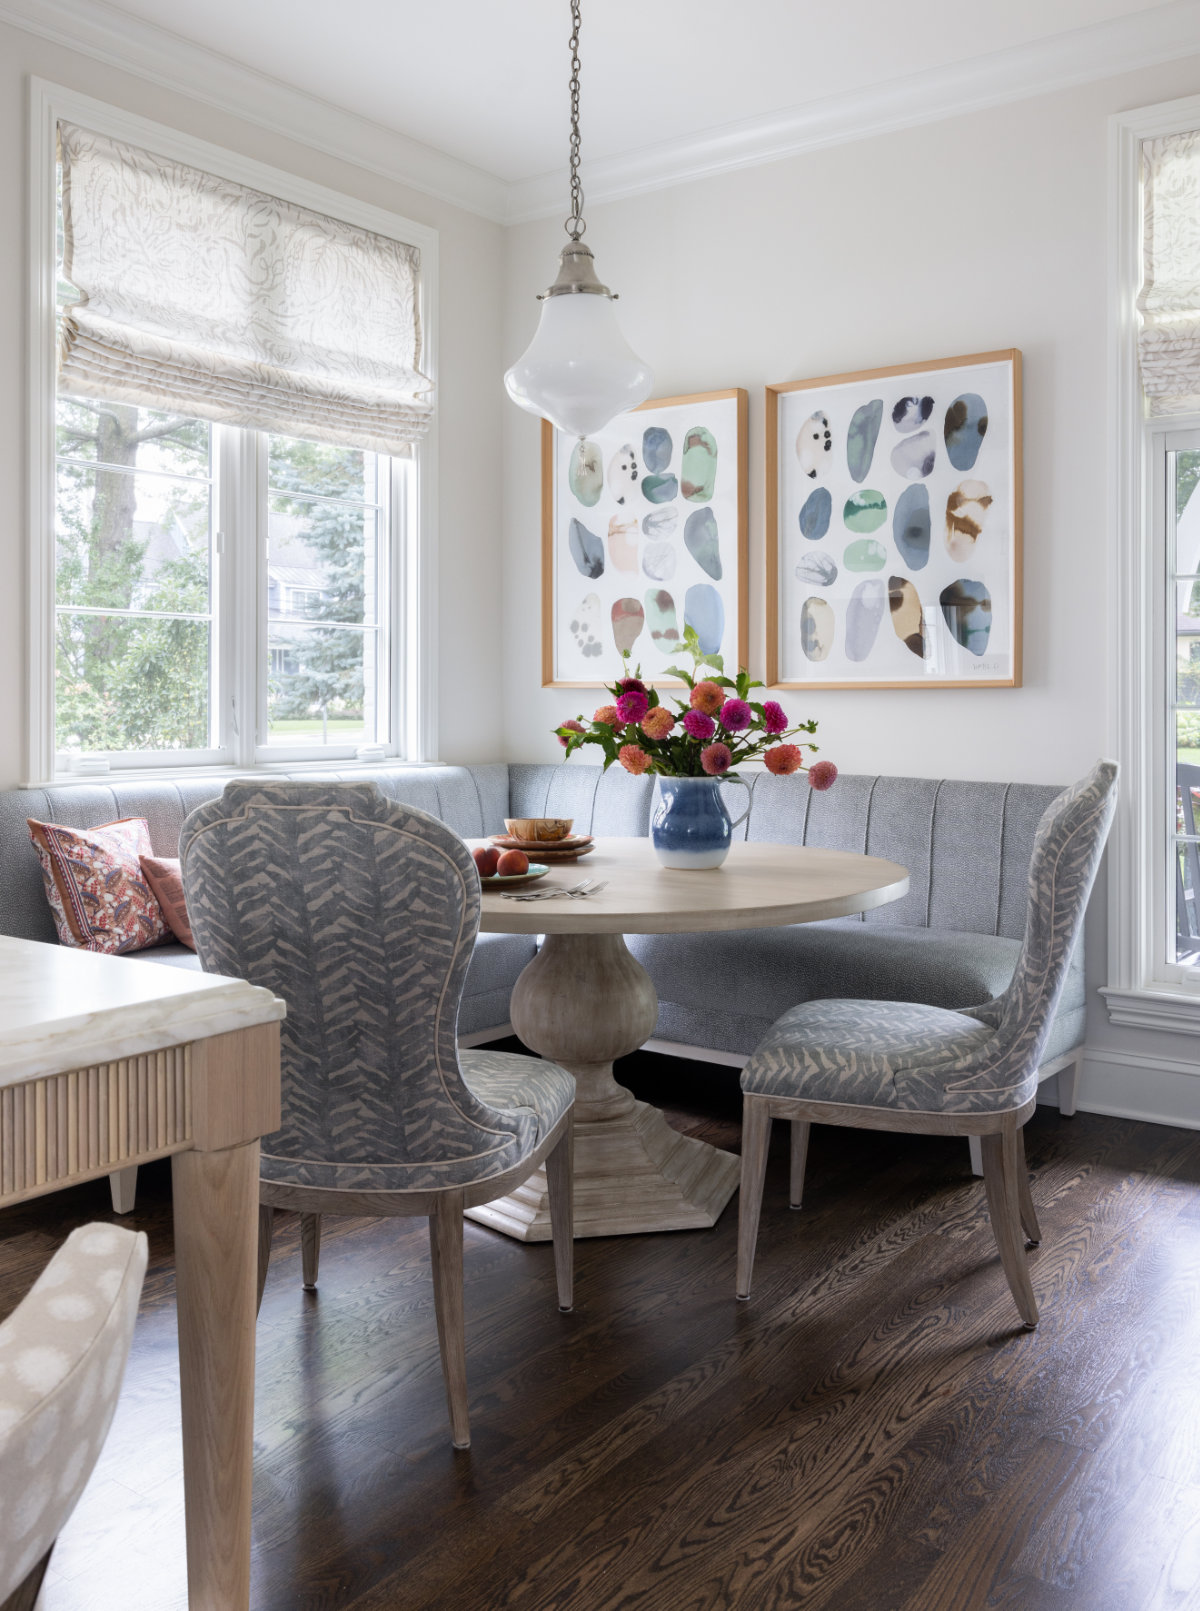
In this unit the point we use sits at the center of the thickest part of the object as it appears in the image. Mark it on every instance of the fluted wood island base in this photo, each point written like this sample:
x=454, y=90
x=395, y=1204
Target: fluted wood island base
x=584, y=1001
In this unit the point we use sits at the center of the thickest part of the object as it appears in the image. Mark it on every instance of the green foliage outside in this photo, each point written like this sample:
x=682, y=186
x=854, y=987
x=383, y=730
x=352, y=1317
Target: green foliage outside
x=131, y=682
x=328, y=682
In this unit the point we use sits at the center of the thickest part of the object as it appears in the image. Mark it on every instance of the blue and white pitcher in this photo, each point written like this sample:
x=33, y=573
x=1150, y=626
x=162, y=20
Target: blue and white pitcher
x=690, y=826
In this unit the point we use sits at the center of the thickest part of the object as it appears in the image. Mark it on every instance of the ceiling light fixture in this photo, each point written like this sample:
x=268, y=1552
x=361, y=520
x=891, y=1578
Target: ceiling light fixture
x=578, y=371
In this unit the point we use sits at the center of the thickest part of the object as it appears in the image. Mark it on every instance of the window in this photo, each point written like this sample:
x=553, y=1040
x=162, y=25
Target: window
x=223, y=590
x=142, y=671
x=1154, y=855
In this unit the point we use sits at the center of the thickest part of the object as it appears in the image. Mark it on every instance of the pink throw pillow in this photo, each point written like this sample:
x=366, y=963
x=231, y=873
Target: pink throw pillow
x=166, y=880
x=94, y=883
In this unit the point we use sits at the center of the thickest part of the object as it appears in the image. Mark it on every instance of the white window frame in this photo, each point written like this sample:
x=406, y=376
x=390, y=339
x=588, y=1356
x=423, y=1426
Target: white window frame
x=411, y=590
x=1145, y=989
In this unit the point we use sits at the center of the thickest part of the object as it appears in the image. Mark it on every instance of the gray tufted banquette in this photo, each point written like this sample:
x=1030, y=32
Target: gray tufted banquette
x=953, y=941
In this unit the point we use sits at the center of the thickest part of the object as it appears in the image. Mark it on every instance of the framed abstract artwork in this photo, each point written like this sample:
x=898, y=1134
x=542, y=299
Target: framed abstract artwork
x=894, y=527
x=644, y=532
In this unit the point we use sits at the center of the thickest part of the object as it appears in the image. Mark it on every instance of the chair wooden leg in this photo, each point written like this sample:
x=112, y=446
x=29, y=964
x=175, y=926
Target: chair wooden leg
x=1000, y=1171
x=122, y=1183
x=266, y=1224
x=976, y=1149
x=560, y=1184
x=756, y=1137
x=446, y=1254
x=1029, y=1219
x=24, y=1596
x=310, y=1249
x=800, y=1132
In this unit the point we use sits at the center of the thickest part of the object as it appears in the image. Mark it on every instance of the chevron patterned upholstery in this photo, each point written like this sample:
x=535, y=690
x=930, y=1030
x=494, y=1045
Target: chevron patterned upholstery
x=362, y=913
x=925, y=1059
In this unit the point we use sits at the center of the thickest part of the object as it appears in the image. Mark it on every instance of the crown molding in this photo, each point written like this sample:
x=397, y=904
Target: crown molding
x=1101, y=50
x=102, y=32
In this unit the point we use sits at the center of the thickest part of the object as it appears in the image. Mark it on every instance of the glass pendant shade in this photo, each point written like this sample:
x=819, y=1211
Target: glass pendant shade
x=579, y=372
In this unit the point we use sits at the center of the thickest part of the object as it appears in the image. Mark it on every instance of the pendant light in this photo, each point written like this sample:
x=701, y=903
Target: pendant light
x=579, y=372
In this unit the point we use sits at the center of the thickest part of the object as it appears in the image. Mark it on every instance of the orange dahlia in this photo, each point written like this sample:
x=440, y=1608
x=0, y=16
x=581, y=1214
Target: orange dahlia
x=657, y=723
x=633, y=759
x=708, y=697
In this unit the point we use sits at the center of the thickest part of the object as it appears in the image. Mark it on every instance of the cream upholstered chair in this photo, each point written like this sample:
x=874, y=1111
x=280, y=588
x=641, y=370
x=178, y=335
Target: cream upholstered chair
x=893, y=1065
x=362, y=914
x=62, y=1356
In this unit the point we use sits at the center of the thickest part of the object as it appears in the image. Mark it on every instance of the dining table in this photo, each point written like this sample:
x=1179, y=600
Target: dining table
x=584, y=1000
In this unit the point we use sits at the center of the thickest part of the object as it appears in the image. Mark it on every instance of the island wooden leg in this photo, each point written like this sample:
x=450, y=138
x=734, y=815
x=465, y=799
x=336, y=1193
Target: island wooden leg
x=216, y=1264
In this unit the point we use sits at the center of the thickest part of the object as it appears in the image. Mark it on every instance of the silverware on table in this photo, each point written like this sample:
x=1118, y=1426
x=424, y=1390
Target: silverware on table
x=588, y=886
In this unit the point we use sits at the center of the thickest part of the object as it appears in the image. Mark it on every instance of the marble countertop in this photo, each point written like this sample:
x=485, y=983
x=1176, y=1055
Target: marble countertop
x=62, y=1009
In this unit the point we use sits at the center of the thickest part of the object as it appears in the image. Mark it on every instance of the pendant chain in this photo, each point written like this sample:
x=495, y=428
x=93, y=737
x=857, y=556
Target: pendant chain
x=575, y=225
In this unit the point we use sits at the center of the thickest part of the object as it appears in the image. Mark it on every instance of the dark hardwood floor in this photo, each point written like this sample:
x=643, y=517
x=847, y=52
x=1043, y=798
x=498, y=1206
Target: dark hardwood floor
x=870, y=1433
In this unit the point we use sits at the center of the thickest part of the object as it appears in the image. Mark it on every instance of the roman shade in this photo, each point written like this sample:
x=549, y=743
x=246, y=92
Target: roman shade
x=202, y=296
x=1169, y=300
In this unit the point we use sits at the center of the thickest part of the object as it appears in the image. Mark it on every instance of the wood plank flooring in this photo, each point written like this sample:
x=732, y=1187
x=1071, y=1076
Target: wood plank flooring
x=870, y=1433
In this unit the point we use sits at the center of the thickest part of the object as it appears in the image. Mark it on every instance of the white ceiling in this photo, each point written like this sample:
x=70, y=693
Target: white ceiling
x=485, y=80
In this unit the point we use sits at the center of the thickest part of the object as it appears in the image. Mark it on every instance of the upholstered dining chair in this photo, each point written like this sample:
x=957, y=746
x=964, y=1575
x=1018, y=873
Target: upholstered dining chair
x=361, y=914
x=895, y=1065
x=62, y=1356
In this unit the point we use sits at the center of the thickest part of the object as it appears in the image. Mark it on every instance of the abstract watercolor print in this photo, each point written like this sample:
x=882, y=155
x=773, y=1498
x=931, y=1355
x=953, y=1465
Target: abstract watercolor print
x=894, y=527
x=643, y=535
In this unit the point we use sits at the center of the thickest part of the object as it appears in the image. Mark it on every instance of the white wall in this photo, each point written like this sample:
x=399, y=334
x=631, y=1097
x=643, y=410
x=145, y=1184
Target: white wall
x=975, y=234
x=970, y=235
x=470, y=394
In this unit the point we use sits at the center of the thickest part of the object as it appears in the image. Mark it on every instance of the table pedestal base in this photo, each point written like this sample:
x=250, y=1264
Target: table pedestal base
x=582, y=1002
x=632, y=1174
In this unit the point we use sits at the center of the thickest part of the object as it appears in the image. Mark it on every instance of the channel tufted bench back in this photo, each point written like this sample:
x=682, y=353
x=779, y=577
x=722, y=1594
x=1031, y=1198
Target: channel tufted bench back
x=967, y=846
x=473, y=800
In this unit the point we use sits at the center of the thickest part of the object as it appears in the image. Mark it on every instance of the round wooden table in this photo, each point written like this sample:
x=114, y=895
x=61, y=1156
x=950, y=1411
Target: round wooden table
x=584, y=1000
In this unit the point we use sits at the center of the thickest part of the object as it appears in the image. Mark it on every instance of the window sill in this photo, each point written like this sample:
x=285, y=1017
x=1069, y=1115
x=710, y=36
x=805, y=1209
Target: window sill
x=1172, y=1011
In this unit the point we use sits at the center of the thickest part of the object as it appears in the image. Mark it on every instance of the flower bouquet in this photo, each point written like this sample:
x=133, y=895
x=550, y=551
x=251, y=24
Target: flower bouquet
x=692, y=747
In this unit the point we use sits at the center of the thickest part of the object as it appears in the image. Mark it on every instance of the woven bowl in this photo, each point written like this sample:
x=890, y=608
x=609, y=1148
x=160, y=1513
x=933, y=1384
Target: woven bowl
x=539, y=830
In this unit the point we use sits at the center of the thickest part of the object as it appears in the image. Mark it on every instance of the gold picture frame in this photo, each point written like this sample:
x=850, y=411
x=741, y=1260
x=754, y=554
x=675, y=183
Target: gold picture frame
x=701, y=554
x=953, y=558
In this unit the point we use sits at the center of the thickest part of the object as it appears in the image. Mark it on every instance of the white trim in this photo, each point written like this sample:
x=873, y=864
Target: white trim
x=1101, y=50
x=137, y=46
x=1040, y=67
x=696, y=1054
x=1136, y=971
x=1131, y=1085
x=416, y=628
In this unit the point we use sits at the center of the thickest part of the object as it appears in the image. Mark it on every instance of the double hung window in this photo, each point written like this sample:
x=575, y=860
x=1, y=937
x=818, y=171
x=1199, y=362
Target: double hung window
x=232, y=458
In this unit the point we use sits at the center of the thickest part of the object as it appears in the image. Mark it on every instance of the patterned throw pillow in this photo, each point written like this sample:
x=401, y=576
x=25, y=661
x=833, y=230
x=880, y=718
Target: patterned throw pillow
x=95, y=886
x=165, y=879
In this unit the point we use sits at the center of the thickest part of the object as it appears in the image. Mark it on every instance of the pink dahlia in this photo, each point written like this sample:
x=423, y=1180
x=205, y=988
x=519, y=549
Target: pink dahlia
x=822, y=775
x=657, y=723
x=631, y=685
x=609, y=715
x=699, y=725
x=633, y=759
x=708, y=697
x=573, y=726
x=774, y=717
x=717, y=758
x=736, y=715
x=784, y=758
x=631, y=707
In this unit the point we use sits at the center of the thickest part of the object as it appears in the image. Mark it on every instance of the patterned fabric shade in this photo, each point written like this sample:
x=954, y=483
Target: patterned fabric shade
x=1169, y=301
x=202, y=296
